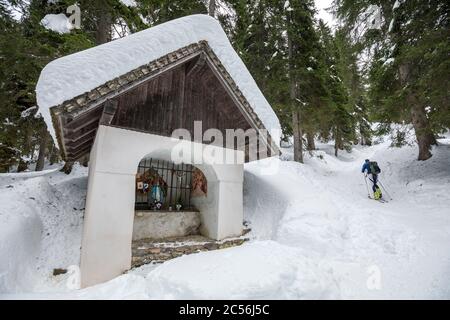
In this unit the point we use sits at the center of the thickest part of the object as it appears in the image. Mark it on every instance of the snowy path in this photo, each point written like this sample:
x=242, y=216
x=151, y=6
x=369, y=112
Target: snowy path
x=407, y=239
x=315, y=235
x=405, y=242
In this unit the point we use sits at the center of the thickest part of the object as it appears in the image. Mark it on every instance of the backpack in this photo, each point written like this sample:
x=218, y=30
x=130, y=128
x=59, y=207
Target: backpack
x=374, y=168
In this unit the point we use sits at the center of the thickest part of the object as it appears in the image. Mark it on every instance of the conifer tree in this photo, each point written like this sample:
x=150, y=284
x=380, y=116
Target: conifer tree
x=407, y=44
x=354, y=84
x=305, y=70
x=159, y=11
x=339, y=108
x=259, y=36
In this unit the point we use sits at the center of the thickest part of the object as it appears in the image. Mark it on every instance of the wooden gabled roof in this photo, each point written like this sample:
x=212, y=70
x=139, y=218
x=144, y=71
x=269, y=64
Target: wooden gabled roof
x=76, y=120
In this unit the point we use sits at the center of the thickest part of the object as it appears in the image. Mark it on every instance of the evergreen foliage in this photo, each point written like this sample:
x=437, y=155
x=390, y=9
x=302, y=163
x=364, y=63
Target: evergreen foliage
x=409, y=65
x=387, y=63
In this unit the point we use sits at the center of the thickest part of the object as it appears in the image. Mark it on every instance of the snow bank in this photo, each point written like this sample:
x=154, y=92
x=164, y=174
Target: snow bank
x=70, y=76
x=40, y=226
x=230, y=274
x=282, y=273
x=20, y=239
x=263, y=209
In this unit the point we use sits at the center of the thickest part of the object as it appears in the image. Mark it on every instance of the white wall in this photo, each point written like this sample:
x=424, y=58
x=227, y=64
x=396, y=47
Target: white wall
x=163, y=224
x=108, y=224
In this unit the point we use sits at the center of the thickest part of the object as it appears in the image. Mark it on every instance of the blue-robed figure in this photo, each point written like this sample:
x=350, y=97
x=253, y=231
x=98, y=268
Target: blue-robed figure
x=156, y=196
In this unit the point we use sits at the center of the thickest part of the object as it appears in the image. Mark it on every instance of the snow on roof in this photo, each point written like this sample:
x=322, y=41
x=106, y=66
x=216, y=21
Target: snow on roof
x=70, y=76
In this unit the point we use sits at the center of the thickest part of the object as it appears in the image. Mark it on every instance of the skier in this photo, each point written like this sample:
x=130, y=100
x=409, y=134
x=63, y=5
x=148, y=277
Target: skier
x=373, y=169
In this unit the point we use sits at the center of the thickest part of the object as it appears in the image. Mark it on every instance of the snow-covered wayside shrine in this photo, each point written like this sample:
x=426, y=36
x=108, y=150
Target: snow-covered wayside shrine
x=314, y=235
x=145, y=211
x=146, y=91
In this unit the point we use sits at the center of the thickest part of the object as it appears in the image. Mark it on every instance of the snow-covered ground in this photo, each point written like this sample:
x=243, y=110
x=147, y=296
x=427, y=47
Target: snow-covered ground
x=315, y=235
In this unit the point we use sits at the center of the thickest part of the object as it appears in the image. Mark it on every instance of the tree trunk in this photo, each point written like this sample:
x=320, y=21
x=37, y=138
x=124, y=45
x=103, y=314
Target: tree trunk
x=42, y=149
x=51, y=156
x=424, y=135
x=298, y=143
x=296, y=118
x=23, y=165
x=67, y=169
x=310, y=140
x=363, y=141
x=103, y=32
x=85, y=160
x=212, y=8
x=336, y=142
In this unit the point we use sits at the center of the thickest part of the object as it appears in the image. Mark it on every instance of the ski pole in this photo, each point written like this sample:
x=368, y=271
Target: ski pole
x=384, y=189
x=367, y=186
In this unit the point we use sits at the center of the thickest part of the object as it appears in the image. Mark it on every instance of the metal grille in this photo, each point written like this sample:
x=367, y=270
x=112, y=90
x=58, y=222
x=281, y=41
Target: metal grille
x=178, y=179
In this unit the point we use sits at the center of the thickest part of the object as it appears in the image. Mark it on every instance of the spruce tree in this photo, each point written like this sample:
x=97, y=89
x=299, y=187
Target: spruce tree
x=159, y=11
x=408, y=48
x=354, y=83
x=25, y=48
x=305, y=75
x=339, y=111
x=259, y=36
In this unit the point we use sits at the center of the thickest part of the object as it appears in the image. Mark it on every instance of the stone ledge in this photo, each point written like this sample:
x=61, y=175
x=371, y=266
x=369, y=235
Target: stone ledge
x=157, y=251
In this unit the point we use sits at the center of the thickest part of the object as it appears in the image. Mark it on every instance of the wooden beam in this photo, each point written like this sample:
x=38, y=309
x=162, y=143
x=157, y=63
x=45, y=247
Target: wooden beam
x=86, y=137
x=83, y=120
x=73, y=156
x=80, y=125
x=80, y=146
x=109, y=111
x=181, y=93
x=198, y=65
x=82, y=131
x=75, y=138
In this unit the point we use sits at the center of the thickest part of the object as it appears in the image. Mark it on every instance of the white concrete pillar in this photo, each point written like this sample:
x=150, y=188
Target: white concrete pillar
x=108, y=219
x=230, y=211
x=222, y=211
x=208, y=207
x=108, y=227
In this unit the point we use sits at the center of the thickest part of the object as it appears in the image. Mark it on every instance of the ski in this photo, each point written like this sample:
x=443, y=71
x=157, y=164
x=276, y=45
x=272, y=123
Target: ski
x=379, y=200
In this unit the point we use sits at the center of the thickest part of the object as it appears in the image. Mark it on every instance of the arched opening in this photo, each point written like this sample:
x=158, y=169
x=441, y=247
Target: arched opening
x=166, y=195
x=164, y=185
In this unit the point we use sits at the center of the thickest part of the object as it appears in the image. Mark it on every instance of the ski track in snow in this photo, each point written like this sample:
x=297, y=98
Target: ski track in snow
x=315, y=234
